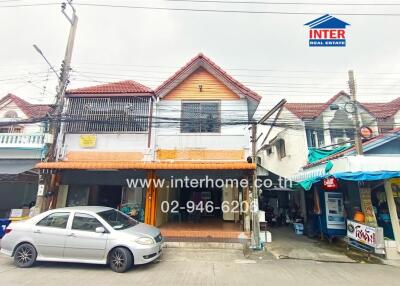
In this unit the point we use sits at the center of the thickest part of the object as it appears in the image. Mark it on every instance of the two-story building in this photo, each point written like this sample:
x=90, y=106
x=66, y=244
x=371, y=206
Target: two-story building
x=105, y=139
x=325, y=125
x=23, y=138
x=209, y=139
x=192, y=127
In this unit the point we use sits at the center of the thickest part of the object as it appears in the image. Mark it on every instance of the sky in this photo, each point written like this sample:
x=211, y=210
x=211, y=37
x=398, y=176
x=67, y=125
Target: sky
x=269, y=53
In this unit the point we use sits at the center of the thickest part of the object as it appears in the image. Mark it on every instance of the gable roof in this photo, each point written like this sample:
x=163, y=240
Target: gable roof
x=305, y=110
x=383, y=110
x=327, y=22
x=367, y=145
x=202, y=61
x=121, y=88
x=30, y=110
x=313, y=110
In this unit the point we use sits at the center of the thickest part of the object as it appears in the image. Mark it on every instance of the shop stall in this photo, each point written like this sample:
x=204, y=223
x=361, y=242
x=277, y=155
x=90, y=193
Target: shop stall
x=358, y=197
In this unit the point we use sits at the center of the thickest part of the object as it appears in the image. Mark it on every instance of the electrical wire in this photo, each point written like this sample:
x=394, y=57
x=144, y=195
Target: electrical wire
x=230, y=11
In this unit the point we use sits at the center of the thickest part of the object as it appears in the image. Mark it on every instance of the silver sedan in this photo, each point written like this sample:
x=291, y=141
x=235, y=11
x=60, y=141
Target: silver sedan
x=86, y=234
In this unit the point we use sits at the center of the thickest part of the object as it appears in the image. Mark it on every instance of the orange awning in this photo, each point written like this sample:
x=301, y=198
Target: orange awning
x=130, y=165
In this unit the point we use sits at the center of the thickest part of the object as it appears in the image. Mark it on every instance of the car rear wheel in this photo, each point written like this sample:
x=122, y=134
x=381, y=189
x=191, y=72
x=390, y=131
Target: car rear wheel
x=25, y=255
x=120, y=259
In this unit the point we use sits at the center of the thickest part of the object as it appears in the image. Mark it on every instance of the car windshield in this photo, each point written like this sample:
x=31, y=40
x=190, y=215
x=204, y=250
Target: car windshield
x=117, y=219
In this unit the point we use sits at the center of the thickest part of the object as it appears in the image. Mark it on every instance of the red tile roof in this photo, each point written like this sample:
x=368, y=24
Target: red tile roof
x=305, y=110
x=121, y=88
x=203, y=60
x=312, y=110
x=30, y=110
x=383, y=110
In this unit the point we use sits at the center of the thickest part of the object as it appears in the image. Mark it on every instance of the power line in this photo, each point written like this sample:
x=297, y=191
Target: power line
x=84, y=64
x=29, y=5
x=285, y=3
x=262, y=3
x=230, y=11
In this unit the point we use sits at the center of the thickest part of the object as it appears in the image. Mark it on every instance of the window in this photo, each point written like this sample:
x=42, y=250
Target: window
x=200, y=117
x=58, y=220
x=280, y=148
x=107, y=115
x=117, y=220
x=315, y=138
x=11, y=129
x=11, y=114
x=78, y=195
x=85, y=222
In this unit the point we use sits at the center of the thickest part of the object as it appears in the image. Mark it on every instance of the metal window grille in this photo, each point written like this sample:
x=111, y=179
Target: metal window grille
x=281, y=148
x=200, y=117
x=106, y=115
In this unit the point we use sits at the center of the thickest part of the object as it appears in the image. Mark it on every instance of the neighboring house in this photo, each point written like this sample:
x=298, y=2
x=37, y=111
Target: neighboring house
x=194, y=124
x=387, y=114
x=103, y=142
x=321, y=125
x=387, y=144
x=22, y=145
x=368, y=183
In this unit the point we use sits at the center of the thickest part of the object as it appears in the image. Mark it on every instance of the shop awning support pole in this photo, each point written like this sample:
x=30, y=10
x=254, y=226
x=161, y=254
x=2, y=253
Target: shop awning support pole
x=150, y=206
x=393, y=213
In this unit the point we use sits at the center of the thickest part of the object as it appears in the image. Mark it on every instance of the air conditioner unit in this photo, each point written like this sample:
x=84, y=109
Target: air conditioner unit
x=341, y=140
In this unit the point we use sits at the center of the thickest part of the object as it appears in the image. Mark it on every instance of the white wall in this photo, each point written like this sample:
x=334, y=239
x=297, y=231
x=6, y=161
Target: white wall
x=27, y=128
x=295, y=145
x=110, y=142
x=296, y=140
x=231, y=137
x=397, y=120
x=365, y=118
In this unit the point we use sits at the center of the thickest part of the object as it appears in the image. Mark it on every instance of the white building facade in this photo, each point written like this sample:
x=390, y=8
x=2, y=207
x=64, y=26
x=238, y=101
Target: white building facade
x=23, y=143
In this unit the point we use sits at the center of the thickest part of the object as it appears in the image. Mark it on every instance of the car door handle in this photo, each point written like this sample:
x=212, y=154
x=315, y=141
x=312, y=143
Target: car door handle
x=37, y=231
x=71, y=234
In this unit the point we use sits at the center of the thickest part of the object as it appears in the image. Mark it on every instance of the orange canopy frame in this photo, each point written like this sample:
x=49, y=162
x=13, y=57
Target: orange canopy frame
x=151, y=167
x=131, y=165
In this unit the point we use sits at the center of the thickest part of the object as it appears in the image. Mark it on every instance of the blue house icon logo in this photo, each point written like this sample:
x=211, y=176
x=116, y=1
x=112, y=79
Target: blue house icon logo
x=327, y=31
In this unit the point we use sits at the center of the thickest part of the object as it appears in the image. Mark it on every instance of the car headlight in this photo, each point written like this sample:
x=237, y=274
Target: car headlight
x=145, y=240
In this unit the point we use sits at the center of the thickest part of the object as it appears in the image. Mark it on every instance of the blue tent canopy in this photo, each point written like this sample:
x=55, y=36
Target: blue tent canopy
x=315, y=154
x=352, y=176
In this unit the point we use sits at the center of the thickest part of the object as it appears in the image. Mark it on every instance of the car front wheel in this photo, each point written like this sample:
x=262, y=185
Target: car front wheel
x=120, y=259
x=25, y=255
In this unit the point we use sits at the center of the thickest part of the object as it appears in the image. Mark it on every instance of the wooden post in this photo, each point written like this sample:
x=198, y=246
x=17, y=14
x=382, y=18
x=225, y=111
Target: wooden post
x=151, y=199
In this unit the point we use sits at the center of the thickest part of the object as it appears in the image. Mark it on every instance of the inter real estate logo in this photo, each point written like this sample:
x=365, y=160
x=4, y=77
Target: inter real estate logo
x=327, y=31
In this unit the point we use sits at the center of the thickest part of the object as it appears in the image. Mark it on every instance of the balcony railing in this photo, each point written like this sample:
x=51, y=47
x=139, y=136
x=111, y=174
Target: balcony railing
x=20, y=140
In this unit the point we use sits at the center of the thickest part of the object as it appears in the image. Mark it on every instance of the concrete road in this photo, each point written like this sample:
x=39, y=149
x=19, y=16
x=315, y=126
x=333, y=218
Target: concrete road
x=180, y=266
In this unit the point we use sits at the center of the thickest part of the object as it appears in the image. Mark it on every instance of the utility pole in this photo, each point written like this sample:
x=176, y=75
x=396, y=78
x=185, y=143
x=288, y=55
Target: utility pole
x=254, y=203
x=56, y=126
x=254, y=191
x=356, y=119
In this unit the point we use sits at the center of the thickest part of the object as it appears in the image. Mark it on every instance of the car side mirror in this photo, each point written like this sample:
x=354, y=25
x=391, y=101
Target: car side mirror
x=100, y=229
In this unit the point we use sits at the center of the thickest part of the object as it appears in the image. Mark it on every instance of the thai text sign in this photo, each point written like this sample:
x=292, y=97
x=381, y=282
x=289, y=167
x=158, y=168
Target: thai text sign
x=87, y=141
x=362, y=233
x=367, y=208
